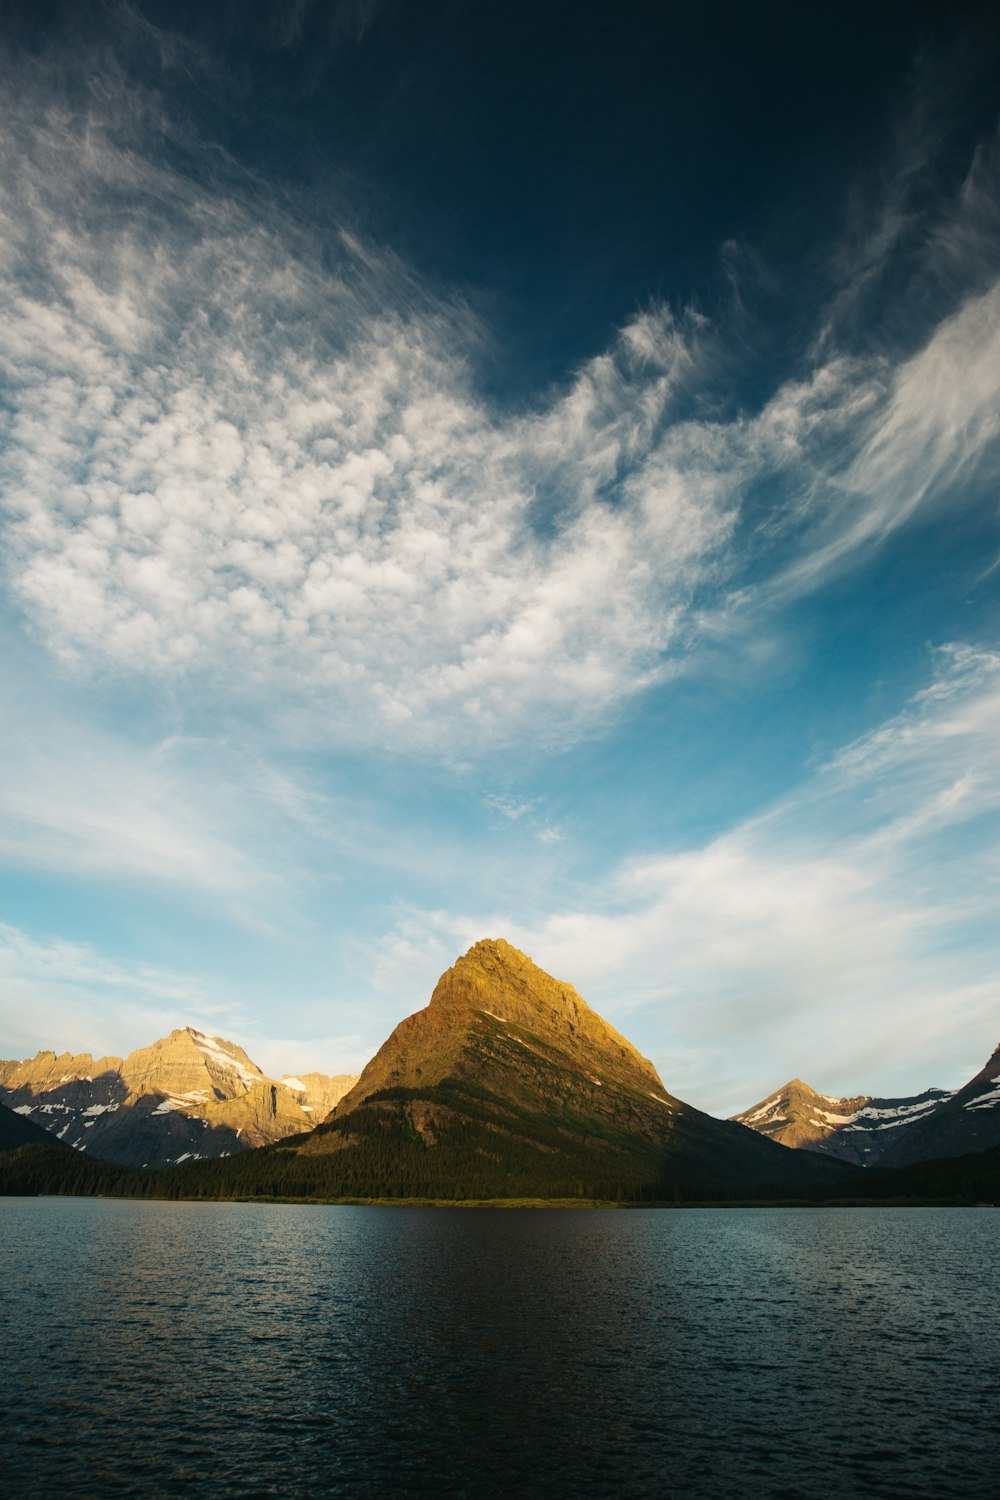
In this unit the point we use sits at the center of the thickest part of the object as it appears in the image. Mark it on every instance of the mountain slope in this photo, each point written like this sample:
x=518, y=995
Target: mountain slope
x=859, y=1129
x=16, y=1131
x=427, y=1046
x=188, y=1096
x=966, y=1121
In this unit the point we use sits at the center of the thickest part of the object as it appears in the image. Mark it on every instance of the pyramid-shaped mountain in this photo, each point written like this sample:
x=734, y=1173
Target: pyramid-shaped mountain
x=508, y=1084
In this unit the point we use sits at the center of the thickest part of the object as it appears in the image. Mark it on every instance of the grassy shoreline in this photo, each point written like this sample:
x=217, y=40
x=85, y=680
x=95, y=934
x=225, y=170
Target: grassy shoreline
x=556, y=1203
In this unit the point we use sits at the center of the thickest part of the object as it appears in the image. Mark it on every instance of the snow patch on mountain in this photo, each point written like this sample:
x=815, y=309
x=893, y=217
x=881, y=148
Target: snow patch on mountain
x=212, y=1048
x=985, y=1101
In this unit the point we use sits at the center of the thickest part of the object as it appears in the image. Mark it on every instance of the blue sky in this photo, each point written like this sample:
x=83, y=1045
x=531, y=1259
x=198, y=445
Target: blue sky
x=523, y=471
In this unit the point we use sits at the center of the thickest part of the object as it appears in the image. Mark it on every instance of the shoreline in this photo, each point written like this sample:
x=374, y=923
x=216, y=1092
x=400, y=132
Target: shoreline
x=537, y=1203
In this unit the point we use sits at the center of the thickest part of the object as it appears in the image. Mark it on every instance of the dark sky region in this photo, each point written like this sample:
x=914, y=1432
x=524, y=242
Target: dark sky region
x=523, y=470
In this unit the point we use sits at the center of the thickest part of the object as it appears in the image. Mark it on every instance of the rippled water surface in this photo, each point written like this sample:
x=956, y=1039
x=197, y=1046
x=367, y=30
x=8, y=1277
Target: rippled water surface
x=231, y=1349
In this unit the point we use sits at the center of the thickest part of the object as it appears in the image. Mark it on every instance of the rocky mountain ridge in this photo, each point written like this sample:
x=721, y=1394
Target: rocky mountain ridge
x=965, y=1121
x=505, y=1084
x=893, y=1132
x=188, y=1096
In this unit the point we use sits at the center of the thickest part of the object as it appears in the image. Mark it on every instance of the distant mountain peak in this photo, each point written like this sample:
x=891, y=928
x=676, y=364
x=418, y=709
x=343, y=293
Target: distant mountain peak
x=187, y=1095
x=873, y=1131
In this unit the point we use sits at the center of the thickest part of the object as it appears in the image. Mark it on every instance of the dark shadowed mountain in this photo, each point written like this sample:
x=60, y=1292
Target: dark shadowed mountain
x=966, y=1121
x=16, y=1131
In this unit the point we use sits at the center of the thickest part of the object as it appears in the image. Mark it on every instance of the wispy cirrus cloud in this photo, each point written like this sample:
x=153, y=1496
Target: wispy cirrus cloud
x=86, y=812
x=239, y=460
x=936, y=429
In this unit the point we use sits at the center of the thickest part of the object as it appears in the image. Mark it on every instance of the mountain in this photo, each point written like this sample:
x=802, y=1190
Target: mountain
x=317, y=1093
x=966, y=1121
x=875, y=1132
x=858, y=1129
x=509, y=1085
x=189, y=1096
x=506, y=1086
x=16, y=1131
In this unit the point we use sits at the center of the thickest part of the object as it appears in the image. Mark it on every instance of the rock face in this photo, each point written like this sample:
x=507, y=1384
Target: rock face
x=859, y=1129
x=317, y=1093
x=509, y=1084
x=187, y=1097
x=505, y=998
x=874, y=1132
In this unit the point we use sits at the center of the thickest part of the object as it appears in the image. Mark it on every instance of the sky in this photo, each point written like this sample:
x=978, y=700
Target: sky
x=523, y=471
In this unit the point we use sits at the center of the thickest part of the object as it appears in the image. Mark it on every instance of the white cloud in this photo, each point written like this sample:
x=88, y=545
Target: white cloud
x=353, y=519
x=936, y=428
x=229, y=460
x=96, y=793
x=341, y=1053
x=509, y=807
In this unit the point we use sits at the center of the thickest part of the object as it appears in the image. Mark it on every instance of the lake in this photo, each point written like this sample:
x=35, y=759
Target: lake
x=182, y=1349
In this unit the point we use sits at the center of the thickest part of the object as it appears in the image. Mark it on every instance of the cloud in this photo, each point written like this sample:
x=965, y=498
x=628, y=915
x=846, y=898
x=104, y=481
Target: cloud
x=260, y=473
x=528, y=813
x=509, y=807
x=847, y=935
x=100, y=791
x=907, y=231
x=340, y=1053
x=934, y=432
x=256, y=467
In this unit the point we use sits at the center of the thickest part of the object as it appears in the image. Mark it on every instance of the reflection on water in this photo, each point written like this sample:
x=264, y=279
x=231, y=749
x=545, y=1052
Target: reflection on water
x=230, y=1349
